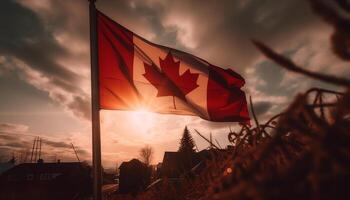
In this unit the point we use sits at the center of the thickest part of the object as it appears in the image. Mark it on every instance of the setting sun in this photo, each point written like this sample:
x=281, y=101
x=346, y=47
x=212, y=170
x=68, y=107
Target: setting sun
x=142, y=117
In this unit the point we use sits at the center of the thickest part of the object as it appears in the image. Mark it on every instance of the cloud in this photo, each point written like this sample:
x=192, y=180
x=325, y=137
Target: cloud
x=33, y=51
x=27, y=38
x=70, y=96
x=59, y=144
x=315, y=54
x=224, y=37
x=17, y=145
x=262, y=107
x=7, y=137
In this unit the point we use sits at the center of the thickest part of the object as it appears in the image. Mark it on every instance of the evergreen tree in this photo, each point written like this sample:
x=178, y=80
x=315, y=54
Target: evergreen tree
x=187, y=143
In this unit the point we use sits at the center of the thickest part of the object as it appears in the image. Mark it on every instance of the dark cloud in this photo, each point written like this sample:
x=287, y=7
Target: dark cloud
x=6, y=137
x=271, y=74
x=57, y=144
x=65, y=145
x=81, y=107
x=27, y=37
x=221, y=31
x=139, y=16
x=262, y=107
x=24, y=36
x=17, y=145
x=143, y=18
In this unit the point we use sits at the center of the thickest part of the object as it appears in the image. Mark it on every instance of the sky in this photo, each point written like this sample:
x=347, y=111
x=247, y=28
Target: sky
x=45, y=69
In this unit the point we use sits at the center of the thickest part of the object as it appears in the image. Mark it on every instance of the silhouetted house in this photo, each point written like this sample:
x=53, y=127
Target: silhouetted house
x=134, y=176
x=41, y=181
x=174, y=164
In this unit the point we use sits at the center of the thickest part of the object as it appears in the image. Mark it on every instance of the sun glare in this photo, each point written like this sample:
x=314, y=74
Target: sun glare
x=142, y=117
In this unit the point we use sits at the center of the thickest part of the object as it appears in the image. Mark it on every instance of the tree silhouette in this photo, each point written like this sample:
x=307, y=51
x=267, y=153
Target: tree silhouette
x=187, y=143
x=146, y=154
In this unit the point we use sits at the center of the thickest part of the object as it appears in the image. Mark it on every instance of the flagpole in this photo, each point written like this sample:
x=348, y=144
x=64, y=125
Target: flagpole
x=95, y=110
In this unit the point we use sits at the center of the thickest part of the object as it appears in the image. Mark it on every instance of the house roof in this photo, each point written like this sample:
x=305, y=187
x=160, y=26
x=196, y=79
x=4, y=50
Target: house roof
x=20, y=172
x=172, y=160
x=132, y=162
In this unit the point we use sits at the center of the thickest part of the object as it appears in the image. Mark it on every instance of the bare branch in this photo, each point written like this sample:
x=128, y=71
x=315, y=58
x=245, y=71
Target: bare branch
x=288, y=64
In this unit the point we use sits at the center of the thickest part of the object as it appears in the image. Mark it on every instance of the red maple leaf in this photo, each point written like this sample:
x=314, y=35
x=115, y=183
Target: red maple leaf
x=168, y=81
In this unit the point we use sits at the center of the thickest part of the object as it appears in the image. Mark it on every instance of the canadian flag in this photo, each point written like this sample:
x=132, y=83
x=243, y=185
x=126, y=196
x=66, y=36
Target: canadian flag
x=136, y=74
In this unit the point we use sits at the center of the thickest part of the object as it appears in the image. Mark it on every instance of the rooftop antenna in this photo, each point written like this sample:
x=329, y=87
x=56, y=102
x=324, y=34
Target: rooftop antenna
x=76, y=154
x=36, y=149
x=40, y=141
x=31, y=157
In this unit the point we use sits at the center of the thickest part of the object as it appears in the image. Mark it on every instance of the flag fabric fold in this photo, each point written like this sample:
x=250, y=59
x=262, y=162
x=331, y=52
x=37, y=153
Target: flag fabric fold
x=136, y=74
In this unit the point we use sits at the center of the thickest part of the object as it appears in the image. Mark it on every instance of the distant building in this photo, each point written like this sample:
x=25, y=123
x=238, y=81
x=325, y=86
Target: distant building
x=134, y=176
x=46, y=181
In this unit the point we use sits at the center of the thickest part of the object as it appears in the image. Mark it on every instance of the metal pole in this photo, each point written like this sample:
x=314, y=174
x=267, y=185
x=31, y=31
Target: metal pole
x=95, y=104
